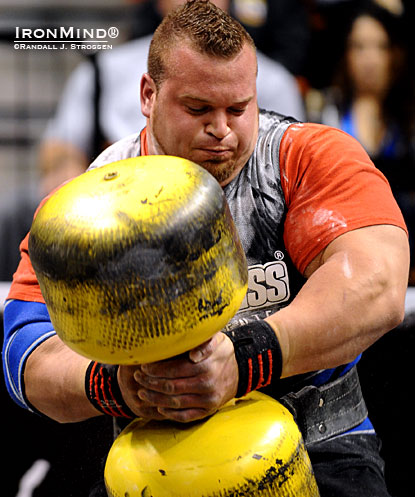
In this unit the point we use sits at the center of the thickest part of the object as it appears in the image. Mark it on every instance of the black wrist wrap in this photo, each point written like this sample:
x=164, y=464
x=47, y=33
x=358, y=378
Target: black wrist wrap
x=258, y=354
x=102, y=390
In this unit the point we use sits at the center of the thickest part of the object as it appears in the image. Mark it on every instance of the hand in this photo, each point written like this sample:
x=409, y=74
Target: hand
x=184, y=388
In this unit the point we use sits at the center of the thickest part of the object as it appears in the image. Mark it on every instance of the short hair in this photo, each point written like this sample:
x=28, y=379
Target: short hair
x=209, y=29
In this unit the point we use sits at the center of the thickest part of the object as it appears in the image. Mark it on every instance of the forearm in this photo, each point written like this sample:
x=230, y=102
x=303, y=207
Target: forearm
x=354, y=297
x=55, y=382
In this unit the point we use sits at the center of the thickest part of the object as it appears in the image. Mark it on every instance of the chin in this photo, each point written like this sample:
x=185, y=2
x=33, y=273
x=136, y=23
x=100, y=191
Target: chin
x=221, y=172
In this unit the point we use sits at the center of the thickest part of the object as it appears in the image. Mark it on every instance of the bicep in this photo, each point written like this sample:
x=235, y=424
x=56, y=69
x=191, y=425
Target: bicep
x=354, y=293
x=368, y=265
x=383, y=248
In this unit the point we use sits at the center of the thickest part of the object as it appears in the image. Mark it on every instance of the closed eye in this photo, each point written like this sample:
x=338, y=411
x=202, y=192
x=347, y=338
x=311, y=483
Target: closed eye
x=236, y=110
x=197, y=110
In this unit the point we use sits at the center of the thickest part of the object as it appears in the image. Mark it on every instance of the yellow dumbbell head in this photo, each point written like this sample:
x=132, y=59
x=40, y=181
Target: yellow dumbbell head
x=138, y=260
x=250, y=447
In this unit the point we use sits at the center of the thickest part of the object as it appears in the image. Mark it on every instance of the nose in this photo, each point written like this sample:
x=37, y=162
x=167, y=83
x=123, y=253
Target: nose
x=218, y=125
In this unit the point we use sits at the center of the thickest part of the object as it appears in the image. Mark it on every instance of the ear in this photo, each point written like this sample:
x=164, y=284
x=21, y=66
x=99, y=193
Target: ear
x=147, y=94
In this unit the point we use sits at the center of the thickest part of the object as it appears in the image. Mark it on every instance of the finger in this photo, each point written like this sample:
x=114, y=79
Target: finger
x=174, y=368
x=183, y=365
x=201, y=384
x=156, y=399
x=145, y=411
x=203, y=351
x=189, y=401
x=184, y=415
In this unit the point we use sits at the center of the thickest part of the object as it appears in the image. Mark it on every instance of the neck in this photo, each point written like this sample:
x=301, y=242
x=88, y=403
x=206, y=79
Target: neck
x=153, y=147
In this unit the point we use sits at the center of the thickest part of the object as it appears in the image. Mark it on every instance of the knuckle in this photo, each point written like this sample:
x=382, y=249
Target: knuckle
x=189, y=415
x=171, y=402
x=169, y=387
x=208, y=384
x=201, y=368
x=144, y=411
x=213, y=401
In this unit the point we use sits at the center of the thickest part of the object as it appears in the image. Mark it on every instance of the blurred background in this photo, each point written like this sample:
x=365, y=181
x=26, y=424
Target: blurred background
x=32, y=80
x=347, y=63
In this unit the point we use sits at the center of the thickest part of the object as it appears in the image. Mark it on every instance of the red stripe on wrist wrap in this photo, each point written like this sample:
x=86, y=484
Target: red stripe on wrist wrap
x=103, y=391
x=258, y=355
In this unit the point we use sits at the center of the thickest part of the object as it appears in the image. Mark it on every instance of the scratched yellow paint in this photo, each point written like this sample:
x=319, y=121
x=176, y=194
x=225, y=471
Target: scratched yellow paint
x=138, y=260
x=251, y=447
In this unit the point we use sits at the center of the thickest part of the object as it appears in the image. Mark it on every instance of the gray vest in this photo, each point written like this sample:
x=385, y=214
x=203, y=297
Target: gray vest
x=256, y=201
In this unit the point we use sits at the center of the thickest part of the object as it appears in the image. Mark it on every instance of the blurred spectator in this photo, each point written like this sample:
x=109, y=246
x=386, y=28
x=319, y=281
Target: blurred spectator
x=280, y=29
x=100, y=104
x=372, y=98
x=328, y=20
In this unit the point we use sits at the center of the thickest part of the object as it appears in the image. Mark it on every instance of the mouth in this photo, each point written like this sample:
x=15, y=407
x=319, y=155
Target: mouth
x=216, y=153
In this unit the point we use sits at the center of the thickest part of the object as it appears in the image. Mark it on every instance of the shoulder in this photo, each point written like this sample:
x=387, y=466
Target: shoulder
x=331, y=187
x=321, y=139
x=316, y=153
x=270, y=120
x=306, y=136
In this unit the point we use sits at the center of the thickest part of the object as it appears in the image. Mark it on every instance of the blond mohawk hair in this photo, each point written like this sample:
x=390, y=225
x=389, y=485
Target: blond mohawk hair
x=209, y=29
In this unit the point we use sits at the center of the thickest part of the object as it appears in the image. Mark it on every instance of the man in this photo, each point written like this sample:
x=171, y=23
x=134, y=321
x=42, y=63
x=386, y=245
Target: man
x=98, y=106
x=325, y=243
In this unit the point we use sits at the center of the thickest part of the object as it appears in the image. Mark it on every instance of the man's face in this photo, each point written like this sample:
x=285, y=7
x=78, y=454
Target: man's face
x=205, y=110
